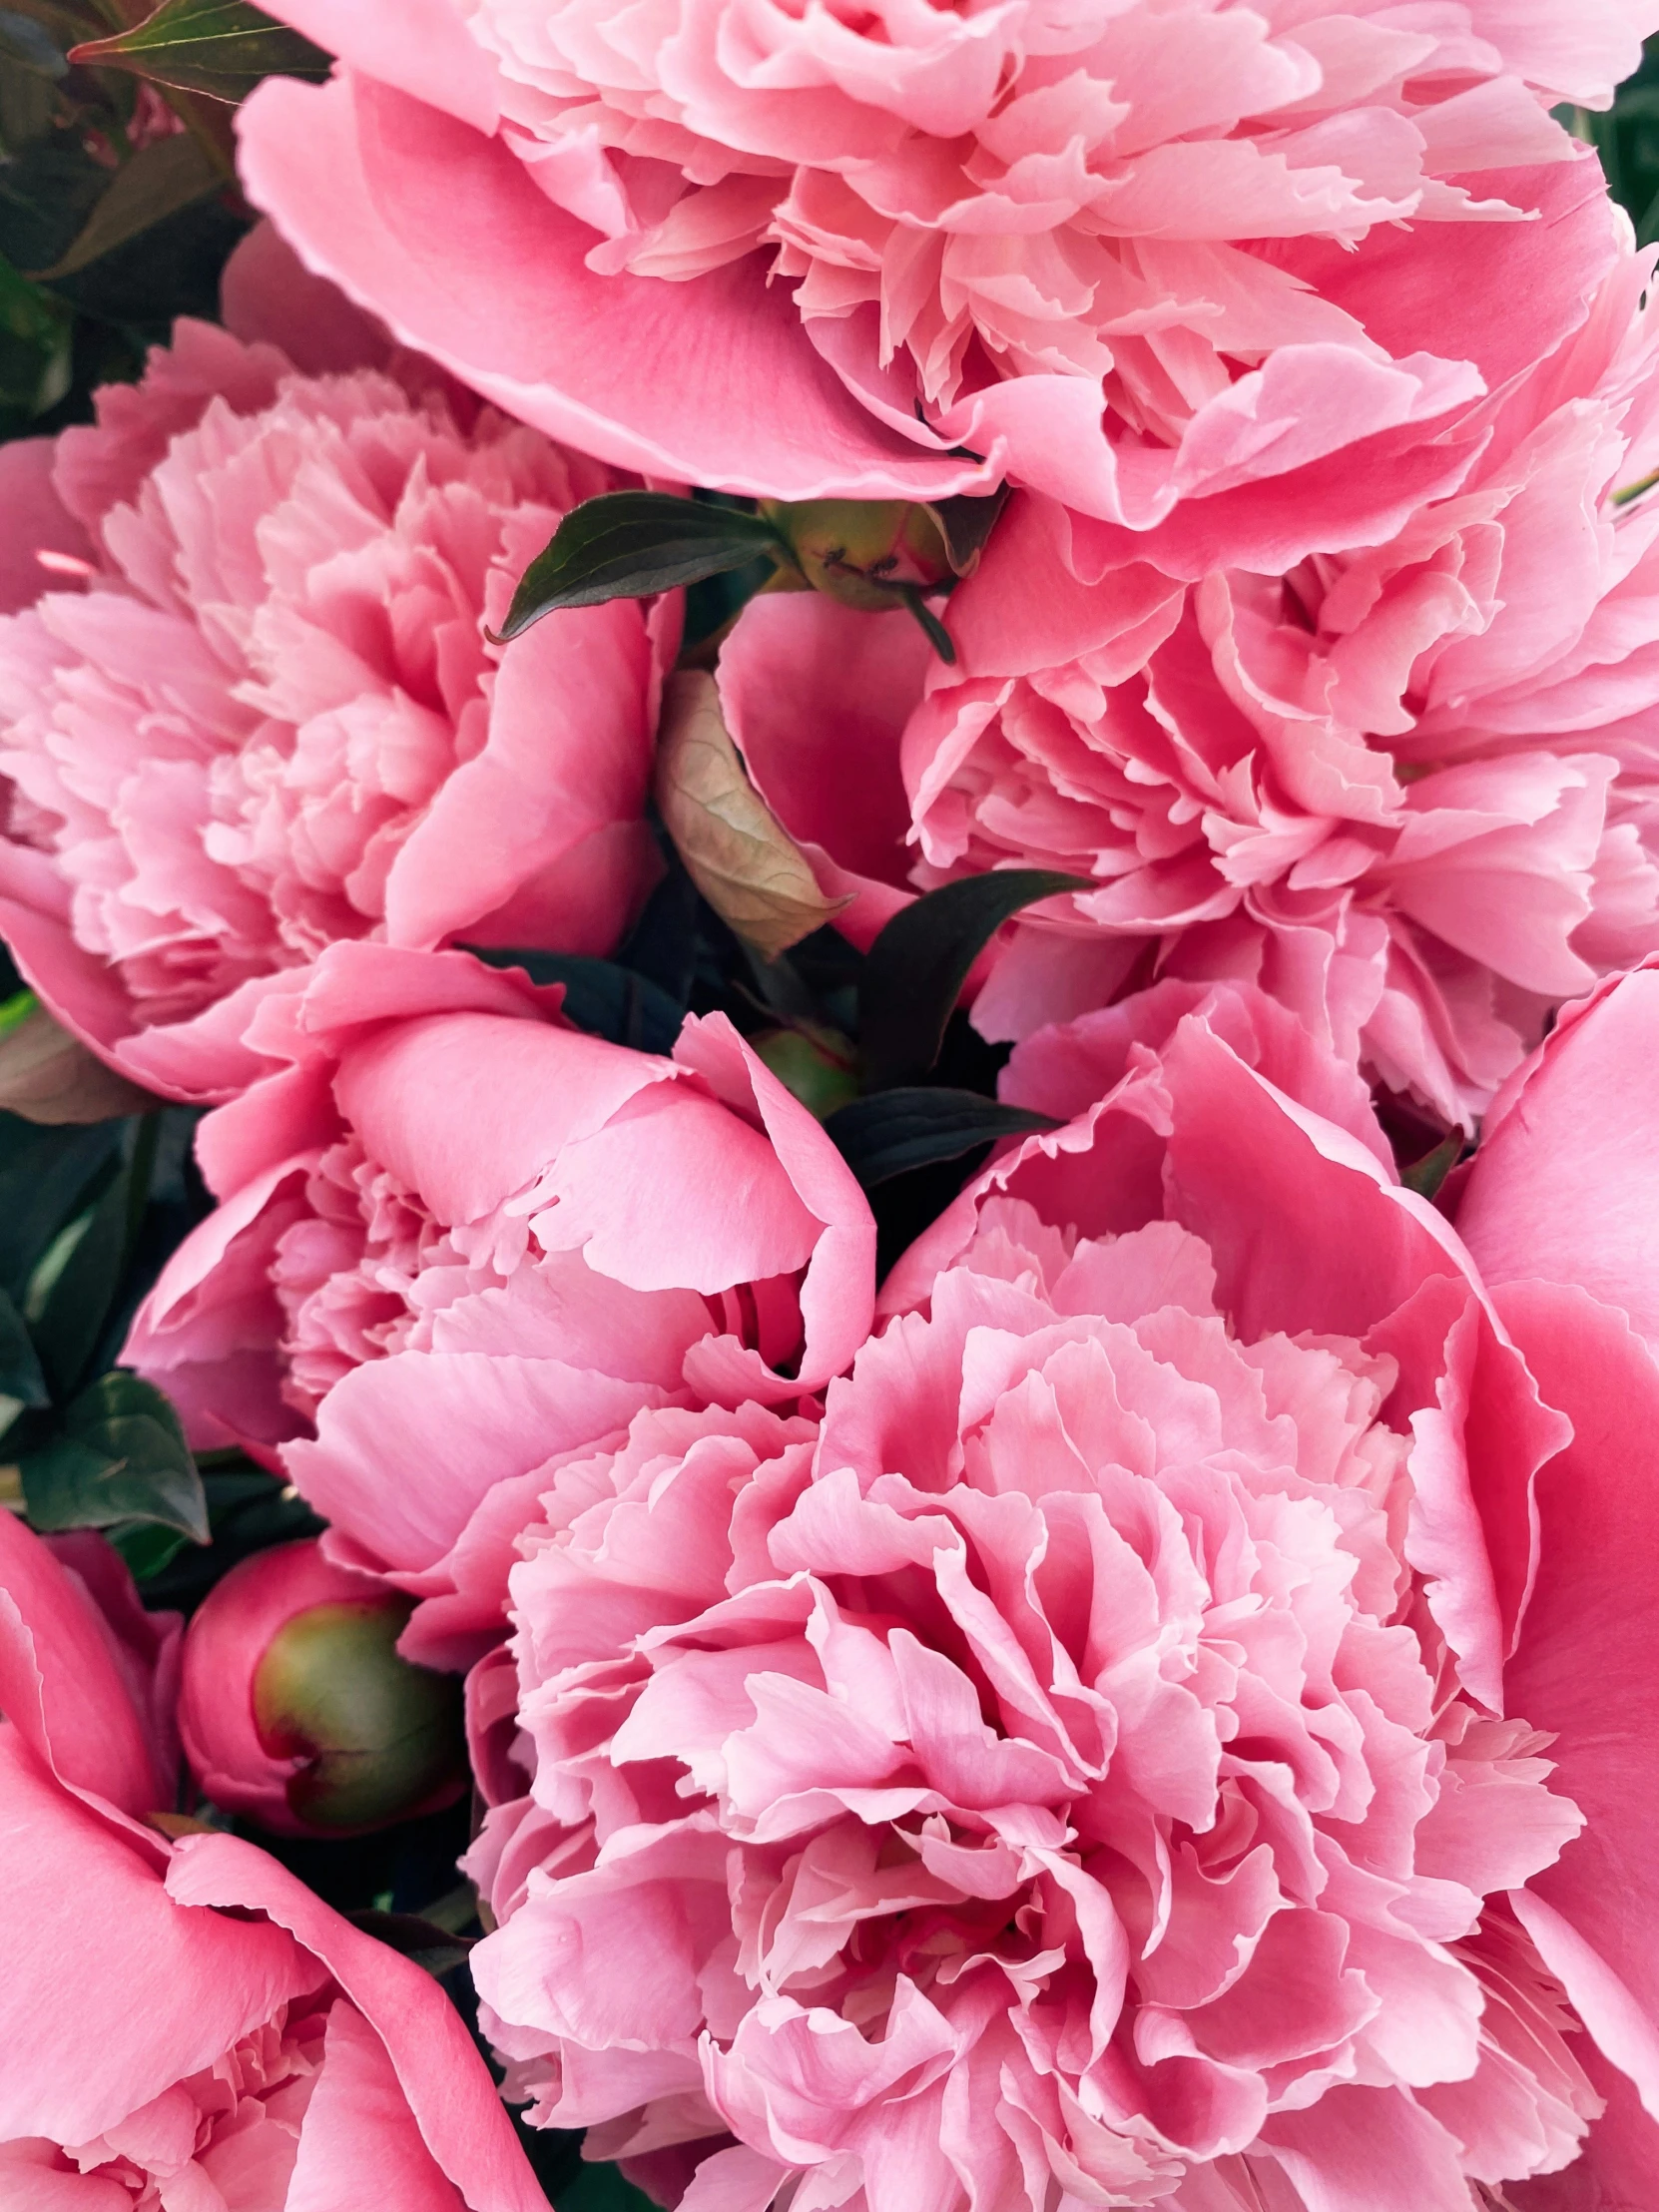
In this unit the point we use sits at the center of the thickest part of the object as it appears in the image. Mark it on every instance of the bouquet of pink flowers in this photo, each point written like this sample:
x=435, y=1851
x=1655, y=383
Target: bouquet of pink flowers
x=829, y=1159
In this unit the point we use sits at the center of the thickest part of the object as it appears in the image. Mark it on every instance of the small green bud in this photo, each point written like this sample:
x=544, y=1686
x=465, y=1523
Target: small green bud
x=817, y=1068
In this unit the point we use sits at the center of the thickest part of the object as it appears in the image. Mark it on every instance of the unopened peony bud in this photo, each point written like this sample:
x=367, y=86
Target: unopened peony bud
x=819, y=1069
x=866, y=553
x=297, y=1710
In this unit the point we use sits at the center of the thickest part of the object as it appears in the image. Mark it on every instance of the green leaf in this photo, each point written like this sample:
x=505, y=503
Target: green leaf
x=628, y=544
x=601, y=996
x=430, y=1946
x=20, y=1372
x=598, y=2188
x=1426, y=1175
x=69, y=1312
x=897, y=1130
x=222, y=48
x=148, y=1548
x=45, y=1176
x=120, y=1457
x=36, y=338
x=919, y=963
x=157, y=182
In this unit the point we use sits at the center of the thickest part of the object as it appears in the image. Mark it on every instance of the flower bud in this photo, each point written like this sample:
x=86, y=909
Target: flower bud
x=865, y=552
x=296, y=1709
x=818, y=1067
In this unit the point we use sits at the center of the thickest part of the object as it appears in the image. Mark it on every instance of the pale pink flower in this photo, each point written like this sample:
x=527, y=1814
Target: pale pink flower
x=461, y=1242
x=1142, y=255
x=257, y=711
x=1077, y=1769
x=188, y=2029
x=1410, y=790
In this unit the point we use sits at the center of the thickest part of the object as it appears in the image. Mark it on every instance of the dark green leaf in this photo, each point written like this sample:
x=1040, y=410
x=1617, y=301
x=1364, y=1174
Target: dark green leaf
x=121, y=1457
x=1426, y=1175
x=148, y=1548
x=20, y=1375
x=919, y=963
x=897, y=1130
x=601, y=998
x=628, y=544
x=222, y=48
x=159, y=179
x=29, y=45
x=35, y=351
x=598, y=2188
x=45, y=1178
x=423, y=1940
x=69, y=1311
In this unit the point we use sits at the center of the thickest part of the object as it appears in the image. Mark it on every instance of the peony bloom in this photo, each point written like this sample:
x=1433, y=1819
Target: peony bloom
x=257, y=712
x=1408, y=790
x=460, y=1243
x=1088, y=1766
x=185, y=2025
x=296, y=1709
x=818, y=249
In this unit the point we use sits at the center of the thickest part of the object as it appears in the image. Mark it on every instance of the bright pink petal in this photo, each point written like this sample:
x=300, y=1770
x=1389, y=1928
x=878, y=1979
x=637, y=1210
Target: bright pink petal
x=444, y=234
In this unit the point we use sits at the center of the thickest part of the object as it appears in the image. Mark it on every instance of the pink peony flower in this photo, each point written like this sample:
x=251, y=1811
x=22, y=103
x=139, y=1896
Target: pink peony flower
x=185, y=2025
x=812, y=250
x=1084, y=1766
x=257, y=713
x=467, y=1242
x=1407, y=790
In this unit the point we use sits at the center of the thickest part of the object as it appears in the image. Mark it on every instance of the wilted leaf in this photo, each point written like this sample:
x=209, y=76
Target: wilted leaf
x=897, y=1130
x=736, y=850
x=601, y=996
x=157, y=182
x=120, y=1456
x=965, y=523
x=919, y=963
x=222, y=48
x=628, y=544
x=49, y=1076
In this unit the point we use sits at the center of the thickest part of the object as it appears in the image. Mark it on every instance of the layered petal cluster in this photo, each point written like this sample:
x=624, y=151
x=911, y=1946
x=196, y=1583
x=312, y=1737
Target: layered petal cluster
x=1076, y=1769
x=461, y=1242
x=248, y=2050
x=1408, y=788
x=1021, y=230
x=250, y=707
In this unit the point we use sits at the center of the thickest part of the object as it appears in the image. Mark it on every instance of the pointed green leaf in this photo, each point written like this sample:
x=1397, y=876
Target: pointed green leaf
x=919, y=963
x=20, y=1375
x=1426, y=1175
x=897, y=1130
x=120, y=1457
x=159, y=179
x=45, y=1176
x=222, y=48
x=601, y=996
x=628, y=544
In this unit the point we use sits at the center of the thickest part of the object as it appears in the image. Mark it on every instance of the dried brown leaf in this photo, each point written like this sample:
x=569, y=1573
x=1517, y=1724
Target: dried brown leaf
x=736, y=850
x=49, y=1076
